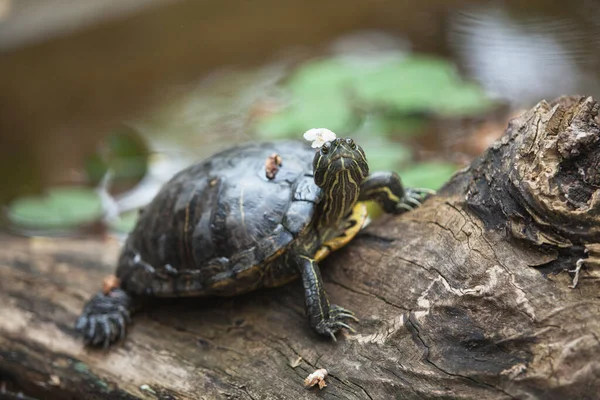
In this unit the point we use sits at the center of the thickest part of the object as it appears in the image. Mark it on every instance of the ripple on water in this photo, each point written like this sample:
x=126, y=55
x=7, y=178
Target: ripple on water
x=523, y=56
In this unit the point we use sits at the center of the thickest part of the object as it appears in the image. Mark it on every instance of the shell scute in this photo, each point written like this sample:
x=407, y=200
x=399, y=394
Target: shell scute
x=224, y=208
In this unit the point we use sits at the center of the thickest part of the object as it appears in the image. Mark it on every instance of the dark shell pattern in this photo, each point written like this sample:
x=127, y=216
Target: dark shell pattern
x=221, y=227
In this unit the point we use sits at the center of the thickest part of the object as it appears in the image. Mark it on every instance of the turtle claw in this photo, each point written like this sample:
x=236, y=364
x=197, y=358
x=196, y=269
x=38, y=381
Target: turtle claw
x=104, y=318
x=404, y=206
x=419, y=194
x=339, y=312
x=424, y=191
x=106, y=331
x=349, y=316
x=412, y=200
x=335, y=322
x=332, y=336
x=337, y=309
x=343, y=325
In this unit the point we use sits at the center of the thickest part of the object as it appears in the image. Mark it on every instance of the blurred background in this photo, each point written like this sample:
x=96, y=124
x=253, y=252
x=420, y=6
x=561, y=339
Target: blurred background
x=101, y=101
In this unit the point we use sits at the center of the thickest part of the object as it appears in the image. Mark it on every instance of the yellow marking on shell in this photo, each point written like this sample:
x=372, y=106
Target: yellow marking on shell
x=275, y=255
x=281, y=282
x=359, y=216
x=187, y=217
x=186, y=239
x=249, y=271
x=223, y=283
x=231, y=286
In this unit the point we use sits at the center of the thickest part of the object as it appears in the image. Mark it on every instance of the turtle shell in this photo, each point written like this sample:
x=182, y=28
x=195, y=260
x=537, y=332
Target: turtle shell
x=220, y=218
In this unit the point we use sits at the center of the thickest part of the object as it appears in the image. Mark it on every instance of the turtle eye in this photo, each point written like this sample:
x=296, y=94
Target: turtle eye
x=325, y=148
x=351, y=143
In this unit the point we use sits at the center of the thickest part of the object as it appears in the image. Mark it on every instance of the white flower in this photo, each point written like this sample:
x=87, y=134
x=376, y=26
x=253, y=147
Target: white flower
x=319, y=136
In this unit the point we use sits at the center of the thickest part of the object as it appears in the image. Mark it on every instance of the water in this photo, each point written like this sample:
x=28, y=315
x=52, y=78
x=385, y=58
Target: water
x=524, y=55
x=519, y=51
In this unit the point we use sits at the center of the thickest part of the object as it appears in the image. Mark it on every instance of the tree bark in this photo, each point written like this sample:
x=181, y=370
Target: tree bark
x=469, y=296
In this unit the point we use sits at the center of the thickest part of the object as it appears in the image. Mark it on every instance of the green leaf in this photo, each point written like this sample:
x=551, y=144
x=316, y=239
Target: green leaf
x=320, y=77
x=61, y=207
x=126, y=222
x=383, y=155
x=128, y=154
x=430, y=175
x=95, y=167
x=279, y=126
x=329, y=111
x=319, y=91
x=391, y=125
x=418, y=84
x=125, y=153
x=400, y=91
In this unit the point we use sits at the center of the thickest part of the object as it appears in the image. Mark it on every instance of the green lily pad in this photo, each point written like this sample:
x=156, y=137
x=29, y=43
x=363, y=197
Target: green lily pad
x=125, y=223
x=319, y=99
x=328, y=111
x=421, y=84
x=383, y=155
x=319, y=77
x=125, y=153
x=381, y=125
x=432, y=175
x=59, y=208
x=401, y=91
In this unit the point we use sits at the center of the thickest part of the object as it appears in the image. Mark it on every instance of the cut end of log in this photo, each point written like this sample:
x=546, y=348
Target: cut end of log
x=542, y=179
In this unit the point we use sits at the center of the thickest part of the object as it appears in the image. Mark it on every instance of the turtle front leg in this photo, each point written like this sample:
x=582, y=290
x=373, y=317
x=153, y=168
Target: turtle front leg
x=387, y=190
x=325, y=318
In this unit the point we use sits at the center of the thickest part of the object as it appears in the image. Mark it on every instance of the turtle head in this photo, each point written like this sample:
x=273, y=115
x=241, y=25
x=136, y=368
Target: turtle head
x=339, y=167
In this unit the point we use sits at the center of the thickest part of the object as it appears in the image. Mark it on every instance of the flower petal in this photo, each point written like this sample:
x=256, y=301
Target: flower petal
x=327, y=135
x=319, y=136
x=311, y=134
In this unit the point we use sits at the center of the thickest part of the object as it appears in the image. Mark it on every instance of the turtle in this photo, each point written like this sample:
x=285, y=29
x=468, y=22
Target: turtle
x=233, y=223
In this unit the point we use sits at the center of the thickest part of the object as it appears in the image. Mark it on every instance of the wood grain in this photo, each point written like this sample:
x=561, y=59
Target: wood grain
x=467, y=297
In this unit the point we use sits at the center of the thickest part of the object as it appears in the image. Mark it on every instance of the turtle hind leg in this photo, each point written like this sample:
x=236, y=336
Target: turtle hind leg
x=105, y=317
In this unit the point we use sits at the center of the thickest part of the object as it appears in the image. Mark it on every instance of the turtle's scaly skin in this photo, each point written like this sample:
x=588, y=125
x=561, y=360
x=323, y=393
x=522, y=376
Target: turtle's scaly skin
x=222, y=228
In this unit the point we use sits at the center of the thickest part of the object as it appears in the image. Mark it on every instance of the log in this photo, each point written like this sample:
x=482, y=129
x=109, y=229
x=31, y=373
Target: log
x=490, y=290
